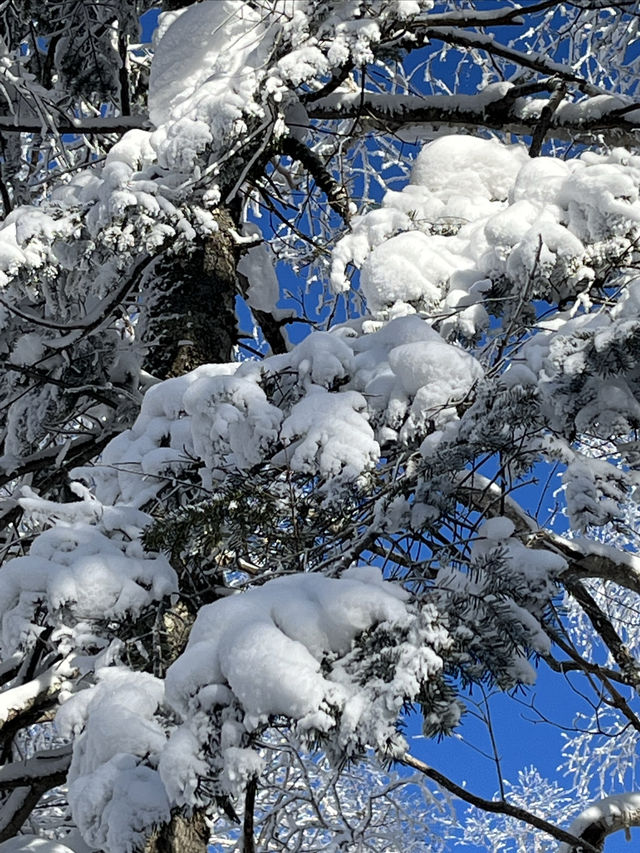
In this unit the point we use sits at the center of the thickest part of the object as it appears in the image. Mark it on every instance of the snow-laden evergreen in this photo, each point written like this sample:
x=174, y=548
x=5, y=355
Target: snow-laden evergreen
x=235, y=559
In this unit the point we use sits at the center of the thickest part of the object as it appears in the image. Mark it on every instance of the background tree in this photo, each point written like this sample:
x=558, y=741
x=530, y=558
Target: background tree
x=198, y=517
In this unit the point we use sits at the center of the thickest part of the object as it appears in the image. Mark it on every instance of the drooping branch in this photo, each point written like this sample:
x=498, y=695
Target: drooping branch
x=497, y=806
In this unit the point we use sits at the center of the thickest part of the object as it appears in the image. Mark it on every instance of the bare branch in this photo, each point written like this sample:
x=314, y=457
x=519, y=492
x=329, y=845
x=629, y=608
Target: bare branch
x=100, y=125
x=496, y=806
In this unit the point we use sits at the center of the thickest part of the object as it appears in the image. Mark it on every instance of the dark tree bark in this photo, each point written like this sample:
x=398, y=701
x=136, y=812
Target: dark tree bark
x=181, y=835
x=191, y=319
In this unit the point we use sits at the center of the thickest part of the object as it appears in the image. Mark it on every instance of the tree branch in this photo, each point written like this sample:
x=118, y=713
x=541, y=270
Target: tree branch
x=248, y=832
x=497, y=806
x=335, y=192
x=497, y=109
x=602, y=819
x=21, y=699
x=605, y=631
x=100, y=125
x=44, y=766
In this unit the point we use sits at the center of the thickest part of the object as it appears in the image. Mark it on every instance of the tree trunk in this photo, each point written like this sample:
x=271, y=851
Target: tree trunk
x=181, y=835
x=191, y=307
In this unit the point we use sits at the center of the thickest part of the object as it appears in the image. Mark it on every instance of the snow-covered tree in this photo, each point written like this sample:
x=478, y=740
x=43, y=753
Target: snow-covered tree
x=295, y=300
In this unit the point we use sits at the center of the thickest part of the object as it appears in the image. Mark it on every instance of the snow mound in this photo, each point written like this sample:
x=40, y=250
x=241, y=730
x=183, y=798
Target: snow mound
x=114, y=795
x=323, y=409
x=478, y=215
x=208, y=63
x=293, y=649
x=84, y=572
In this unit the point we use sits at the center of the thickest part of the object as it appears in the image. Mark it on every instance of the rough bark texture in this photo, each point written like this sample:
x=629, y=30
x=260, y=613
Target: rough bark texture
x=181, y=835
x=192, y=306
x=191, y=321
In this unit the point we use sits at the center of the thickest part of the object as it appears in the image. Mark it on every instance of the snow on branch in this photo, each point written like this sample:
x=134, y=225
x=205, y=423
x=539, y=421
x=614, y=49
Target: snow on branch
x=601, y=819
x=501, y=106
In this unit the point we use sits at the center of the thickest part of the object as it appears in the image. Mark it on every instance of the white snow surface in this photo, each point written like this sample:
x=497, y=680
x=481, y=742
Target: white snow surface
x=84, y=571
x=207, y=66
x=340, y=396
x=261, y=653
x=267, y=643
x=33, y=844
x=477, y=211
x=114, y=795
x=615, y=812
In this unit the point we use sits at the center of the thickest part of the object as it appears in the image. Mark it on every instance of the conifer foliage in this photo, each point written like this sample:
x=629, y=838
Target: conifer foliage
x=295, y=300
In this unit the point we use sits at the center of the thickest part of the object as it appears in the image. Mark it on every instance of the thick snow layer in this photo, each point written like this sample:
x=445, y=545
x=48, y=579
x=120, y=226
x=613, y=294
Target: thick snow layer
x=206, y=69
x=286, y=649
x=257, y=267
x=115, y=807
x=137, y=463
x=83, y=573
x=114, y=796
x=437, y=375
x=329, y=434
x=470, y=167
x=232, y=420
x=478, y=212
x=411, y=268
x=323, y=409
x=267, y=644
